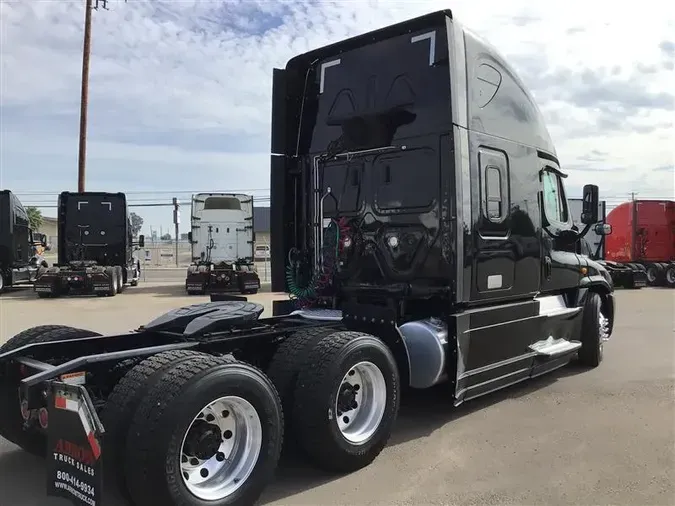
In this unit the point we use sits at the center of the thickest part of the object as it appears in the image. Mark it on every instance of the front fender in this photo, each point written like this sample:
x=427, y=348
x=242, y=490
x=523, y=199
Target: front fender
x=598, y=284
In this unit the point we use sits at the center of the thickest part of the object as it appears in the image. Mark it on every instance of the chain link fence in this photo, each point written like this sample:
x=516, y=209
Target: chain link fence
x=162, y=255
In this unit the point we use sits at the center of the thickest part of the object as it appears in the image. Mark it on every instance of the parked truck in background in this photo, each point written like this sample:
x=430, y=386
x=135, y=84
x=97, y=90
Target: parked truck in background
x=639, y=246
x=643, y=238
x=419, y=216
x=222, y=242
x=96, y=250
x=20, y=247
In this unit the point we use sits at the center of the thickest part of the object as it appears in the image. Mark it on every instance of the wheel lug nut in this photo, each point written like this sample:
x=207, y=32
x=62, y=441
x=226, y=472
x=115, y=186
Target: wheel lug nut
x=227, y=434
x=220, y=456
x=204, y=473
x=345, y=419
x=357, y=388
x=354, y=405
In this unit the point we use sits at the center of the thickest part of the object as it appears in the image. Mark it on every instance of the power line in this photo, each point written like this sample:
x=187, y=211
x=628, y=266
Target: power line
x=154, y=192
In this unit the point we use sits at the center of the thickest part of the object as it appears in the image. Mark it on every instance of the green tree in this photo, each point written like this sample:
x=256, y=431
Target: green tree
x=136, y=224
x=34, y=217
x=166, y=237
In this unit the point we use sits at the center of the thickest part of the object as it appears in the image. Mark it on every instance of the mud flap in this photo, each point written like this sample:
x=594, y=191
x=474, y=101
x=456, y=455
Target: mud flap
x=75, y=438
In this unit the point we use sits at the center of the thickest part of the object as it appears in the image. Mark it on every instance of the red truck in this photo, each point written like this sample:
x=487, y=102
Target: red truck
x=642, y=238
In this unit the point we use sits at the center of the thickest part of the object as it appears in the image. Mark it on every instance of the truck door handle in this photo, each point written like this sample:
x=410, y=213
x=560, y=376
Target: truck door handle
x=548, y=268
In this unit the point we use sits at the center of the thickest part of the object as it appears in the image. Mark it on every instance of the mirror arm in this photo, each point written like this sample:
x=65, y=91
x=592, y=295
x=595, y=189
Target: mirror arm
x=587, y=227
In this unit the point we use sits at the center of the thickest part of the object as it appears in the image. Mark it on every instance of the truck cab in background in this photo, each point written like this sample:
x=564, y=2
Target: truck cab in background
x=21, y=248
x=222, y=242
x=96, y=251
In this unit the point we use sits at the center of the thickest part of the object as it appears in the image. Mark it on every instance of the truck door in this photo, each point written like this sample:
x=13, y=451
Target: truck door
x=560, y=263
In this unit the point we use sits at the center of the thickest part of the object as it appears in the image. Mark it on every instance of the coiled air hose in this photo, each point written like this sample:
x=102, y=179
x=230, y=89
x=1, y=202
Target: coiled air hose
x=307, y=294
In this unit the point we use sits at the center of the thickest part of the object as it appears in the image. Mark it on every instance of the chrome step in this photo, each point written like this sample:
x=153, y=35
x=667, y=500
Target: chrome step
x=555, y=347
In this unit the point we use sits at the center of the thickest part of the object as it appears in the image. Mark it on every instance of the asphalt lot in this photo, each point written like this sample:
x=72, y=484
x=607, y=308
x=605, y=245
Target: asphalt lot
x=605, y=436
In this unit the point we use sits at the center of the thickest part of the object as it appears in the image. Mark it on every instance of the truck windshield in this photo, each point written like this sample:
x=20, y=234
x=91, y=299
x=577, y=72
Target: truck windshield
x=222, y=203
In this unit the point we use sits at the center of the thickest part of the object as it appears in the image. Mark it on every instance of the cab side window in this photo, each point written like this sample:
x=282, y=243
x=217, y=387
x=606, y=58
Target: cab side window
x=555, y=201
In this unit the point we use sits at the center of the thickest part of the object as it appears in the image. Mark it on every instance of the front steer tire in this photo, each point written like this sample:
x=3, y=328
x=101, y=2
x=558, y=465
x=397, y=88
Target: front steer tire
x=123, y=402
x=315, y=417
x=154, y=446
x=11, y=422
x=592, y=342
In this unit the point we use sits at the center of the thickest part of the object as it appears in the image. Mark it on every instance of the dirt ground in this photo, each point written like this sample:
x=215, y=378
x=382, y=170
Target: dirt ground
x=577, y=437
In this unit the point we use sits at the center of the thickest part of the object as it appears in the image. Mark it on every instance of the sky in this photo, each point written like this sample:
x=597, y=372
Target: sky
x=180, y=90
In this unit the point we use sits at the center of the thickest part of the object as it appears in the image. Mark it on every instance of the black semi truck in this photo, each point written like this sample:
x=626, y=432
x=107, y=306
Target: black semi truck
x=19, y=258
x=96, y=251
x=422, y=227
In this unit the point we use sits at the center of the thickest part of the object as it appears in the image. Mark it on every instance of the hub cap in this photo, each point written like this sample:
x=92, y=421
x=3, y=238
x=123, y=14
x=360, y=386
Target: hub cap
x=220, y=448
x=361, y=402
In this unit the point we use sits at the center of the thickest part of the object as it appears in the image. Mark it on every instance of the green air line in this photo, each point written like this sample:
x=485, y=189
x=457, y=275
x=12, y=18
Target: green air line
x=308, y=291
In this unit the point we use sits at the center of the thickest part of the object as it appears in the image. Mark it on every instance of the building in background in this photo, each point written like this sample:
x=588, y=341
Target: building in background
x=49, y=228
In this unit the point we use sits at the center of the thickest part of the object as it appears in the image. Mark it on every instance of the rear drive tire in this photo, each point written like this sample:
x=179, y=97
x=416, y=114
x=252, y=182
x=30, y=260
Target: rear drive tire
x=669, y=276
x=112, y=275
x=201, y=407
x=120, y=278
x=654, y=274
x=594, y=331
x=346, y=401
x=288, y=360
x=11, y=422
x=122, y=403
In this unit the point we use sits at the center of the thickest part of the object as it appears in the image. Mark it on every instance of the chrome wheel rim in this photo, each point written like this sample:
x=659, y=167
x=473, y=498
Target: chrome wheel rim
x=220, y=448
x=361, y=402
x=651, y=274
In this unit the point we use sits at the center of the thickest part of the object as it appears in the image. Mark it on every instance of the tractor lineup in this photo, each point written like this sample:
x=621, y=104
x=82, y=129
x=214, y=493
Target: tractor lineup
x=412, y=232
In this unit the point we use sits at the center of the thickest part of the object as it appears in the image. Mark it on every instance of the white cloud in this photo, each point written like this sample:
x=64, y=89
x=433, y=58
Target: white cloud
x=180, y=90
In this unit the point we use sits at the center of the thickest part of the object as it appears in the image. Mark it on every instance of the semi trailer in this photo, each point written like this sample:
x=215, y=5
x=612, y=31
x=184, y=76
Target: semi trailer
x=20, y=247
x=222, y=242
x=421, y=227
x=96, y=250
x=642, y=243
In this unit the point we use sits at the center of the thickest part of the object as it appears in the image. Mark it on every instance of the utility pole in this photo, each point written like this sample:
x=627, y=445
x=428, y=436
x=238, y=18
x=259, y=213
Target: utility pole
x=176, y=222
x=84, y=97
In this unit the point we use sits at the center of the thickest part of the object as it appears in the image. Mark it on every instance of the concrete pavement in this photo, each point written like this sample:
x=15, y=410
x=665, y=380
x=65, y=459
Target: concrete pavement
x=575, y=437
